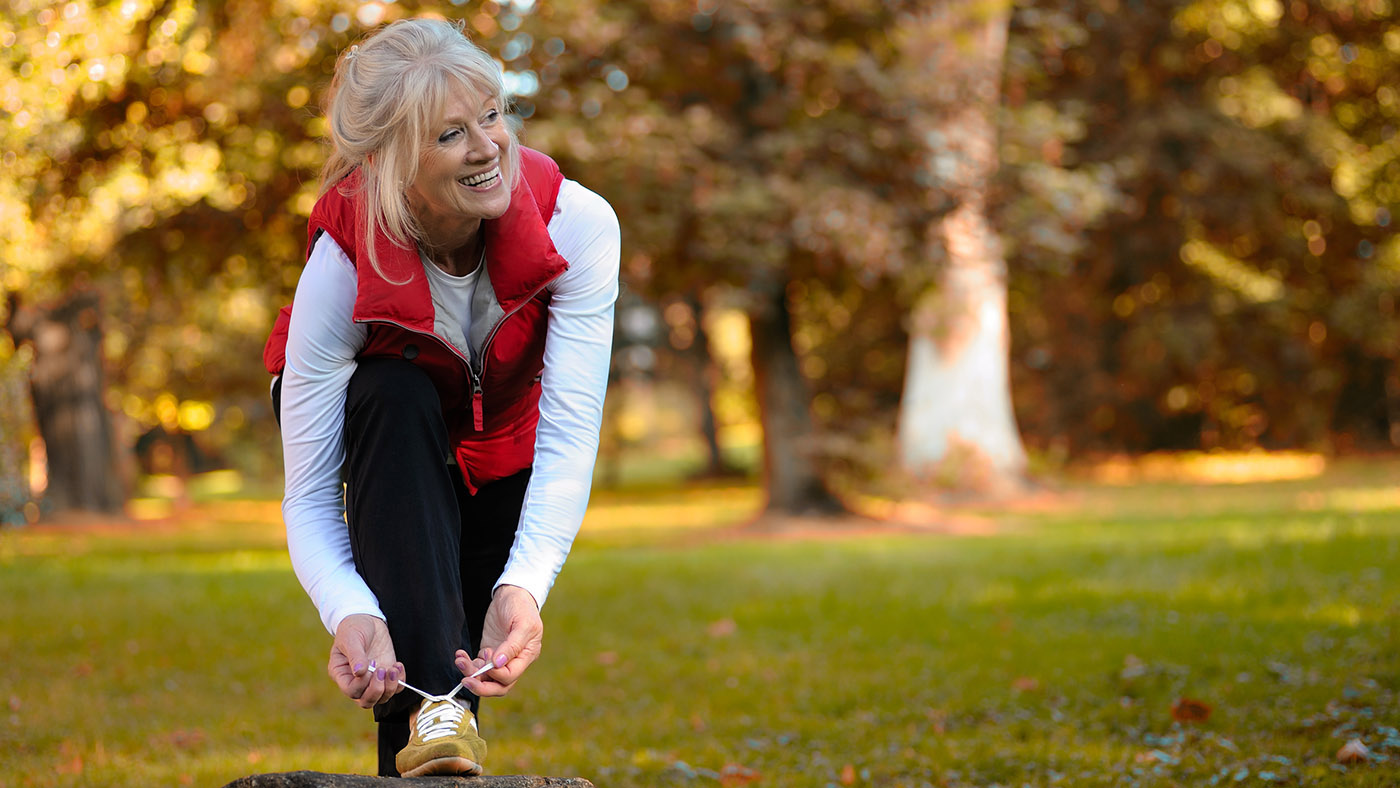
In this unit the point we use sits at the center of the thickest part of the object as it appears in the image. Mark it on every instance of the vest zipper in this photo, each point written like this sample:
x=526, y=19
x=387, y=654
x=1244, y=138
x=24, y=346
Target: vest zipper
x=478, y=415
x=478, y=411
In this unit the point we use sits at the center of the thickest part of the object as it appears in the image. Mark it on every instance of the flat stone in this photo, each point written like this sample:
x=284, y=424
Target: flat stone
x=322, y=780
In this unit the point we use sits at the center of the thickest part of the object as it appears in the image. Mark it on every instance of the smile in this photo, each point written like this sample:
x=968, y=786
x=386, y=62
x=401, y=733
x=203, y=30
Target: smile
x=480, y=180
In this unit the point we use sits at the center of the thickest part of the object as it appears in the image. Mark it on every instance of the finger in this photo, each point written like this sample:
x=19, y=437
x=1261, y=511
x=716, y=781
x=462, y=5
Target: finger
x=487, y=689
x=503, y=676
x=514, y=655
x=466, y=664
x=374, y=692
x=392, y=686
x=350, y=679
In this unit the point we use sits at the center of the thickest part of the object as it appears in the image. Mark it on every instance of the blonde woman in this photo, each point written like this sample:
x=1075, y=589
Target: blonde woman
x=446, y=357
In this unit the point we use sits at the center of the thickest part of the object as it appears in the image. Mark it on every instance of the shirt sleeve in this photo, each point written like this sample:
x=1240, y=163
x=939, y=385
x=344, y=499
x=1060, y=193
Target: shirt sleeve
x=577, y=354
x=322, y=342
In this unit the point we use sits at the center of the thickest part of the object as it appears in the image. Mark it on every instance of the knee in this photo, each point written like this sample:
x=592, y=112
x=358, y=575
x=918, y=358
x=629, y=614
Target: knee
x=391, y=388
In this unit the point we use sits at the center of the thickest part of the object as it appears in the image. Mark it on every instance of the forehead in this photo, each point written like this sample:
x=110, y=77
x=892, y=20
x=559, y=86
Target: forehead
x=461, y=101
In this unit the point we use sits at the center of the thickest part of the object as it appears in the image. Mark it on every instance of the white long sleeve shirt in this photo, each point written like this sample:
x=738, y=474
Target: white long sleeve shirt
x=322, y=343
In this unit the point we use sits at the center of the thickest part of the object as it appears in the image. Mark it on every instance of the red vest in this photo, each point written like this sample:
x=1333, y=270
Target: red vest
x=491, y=412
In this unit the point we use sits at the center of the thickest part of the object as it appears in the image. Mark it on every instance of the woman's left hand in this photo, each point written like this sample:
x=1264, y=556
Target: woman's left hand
x=511, y=639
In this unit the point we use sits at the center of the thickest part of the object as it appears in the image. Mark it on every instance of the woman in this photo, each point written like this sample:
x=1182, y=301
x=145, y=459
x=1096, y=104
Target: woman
x=447, y=358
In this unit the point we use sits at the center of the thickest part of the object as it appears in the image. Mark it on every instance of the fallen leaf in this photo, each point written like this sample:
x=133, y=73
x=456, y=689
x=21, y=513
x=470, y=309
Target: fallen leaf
x=735, y=774
x=722, y=628
x=1025, y=684
x=1190, y=710
x=1354, y=751
x=848, y=774
x=180, y=739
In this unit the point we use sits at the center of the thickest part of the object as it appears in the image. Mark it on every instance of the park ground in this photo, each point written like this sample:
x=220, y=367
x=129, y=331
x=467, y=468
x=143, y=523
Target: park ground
x=1160, y=633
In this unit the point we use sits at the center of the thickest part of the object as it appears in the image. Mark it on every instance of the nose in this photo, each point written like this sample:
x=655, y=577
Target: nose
x=480, y=147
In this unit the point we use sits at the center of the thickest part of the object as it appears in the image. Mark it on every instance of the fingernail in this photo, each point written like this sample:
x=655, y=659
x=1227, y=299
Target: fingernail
x=359, y=668
x=393, y=675
x=500, y=661
x=380, y=674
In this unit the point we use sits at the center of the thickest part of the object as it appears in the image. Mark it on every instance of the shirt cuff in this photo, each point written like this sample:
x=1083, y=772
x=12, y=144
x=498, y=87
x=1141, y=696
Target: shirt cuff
x=338, y=613
x=537, y=586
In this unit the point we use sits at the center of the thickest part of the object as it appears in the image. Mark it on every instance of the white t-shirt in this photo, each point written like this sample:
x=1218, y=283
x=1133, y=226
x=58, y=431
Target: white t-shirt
x=322, y=343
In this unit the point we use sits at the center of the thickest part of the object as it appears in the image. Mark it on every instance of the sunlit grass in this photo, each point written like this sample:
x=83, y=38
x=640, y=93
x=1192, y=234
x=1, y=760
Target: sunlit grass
x=1045, y=650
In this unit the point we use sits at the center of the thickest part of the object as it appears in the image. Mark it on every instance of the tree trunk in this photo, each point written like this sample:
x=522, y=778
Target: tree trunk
x=16, y=431
x=956, y=421
x=791, y=479
x=703, y=369
x=66, y=384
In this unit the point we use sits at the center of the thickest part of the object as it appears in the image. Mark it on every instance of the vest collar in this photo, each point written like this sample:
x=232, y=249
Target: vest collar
x=520, y=256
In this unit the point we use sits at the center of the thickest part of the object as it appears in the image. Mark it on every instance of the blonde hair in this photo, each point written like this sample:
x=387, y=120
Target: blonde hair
x=387, y=94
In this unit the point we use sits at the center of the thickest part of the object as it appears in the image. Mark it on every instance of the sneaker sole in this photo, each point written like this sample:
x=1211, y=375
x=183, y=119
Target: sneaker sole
x=453, y=765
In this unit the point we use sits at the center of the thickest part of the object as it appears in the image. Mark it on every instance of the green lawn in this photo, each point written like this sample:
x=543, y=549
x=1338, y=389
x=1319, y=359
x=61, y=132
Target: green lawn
x=1047, y=651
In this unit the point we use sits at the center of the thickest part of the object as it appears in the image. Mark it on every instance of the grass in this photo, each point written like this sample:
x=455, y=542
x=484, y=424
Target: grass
x=1048, y=650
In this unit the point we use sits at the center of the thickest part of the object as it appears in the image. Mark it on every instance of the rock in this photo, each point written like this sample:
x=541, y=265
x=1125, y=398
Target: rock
x=322, y=780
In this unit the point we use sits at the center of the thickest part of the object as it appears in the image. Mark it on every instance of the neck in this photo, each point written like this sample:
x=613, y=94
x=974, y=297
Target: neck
x=455, y=245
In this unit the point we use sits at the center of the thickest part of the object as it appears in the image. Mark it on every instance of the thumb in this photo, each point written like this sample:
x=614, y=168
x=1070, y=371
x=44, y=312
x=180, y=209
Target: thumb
x=355, y=646
x=510, y=648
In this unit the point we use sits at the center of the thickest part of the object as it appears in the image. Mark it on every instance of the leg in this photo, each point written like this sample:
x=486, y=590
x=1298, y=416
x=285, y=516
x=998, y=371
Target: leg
x=401, y=505
x=489, y=520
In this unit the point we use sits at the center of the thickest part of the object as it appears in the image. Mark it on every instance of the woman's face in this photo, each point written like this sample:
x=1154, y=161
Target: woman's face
x=459, y=166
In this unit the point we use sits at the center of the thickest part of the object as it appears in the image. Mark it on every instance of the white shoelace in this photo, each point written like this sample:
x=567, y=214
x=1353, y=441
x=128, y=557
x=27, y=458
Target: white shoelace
x=436, y=698
x=439, y=719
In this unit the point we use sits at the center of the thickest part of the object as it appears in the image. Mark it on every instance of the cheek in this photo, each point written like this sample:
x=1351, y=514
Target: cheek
x=501, y=137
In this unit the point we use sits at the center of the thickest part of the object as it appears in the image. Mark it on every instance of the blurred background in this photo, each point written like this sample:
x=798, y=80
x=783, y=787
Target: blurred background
x=1003, y=394
x=871, y=250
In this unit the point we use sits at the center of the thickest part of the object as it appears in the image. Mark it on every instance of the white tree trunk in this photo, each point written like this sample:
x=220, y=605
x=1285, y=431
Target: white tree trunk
x=955, y=418
x=955, y=414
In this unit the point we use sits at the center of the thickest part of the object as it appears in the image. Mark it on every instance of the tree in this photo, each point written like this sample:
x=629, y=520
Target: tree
x=756, y=147
x=159, y=156
x=67, y=386
x=956, y=412
x=1198, y=200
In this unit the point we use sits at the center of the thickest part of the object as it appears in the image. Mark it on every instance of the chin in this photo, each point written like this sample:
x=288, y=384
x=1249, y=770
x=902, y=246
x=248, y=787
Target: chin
x=497, y=211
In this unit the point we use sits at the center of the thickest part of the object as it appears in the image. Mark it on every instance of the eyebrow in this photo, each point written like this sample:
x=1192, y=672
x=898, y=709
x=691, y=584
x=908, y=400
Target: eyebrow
x=488, y=104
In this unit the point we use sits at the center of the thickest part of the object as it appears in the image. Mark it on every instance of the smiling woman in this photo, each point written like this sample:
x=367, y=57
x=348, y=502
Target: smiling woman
x=447, y=358
x=459, y=180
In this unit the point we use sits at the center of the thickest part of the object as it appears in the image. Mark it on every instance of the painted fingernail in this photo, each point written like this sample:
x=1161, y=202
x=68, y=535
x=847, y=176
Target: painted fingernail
x=379, y=674
x=359, y=668
x=500, y=661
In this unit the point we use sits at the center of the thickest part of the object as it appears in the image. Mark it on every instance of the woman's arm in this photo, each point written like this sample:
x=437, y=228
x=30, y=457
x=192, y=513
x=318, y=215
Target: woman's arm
x=322, y=342
x=577, y=352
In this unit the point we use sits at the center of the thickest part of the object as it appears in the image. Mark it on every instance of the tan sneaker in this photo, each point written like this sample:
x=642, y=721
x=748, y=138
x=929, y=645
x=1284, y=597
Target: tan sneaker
x=444, y=741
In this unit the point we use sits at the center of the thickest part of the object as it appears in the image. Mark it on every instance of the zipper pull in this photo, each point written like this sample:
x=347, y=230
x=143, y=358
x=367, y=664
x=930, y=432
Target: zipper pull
x=478, y=419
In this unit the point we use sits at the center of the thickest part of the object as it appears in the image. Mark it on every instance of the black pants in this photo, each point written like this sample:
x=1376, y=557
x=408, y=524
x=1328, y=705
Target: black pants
x=429, y=550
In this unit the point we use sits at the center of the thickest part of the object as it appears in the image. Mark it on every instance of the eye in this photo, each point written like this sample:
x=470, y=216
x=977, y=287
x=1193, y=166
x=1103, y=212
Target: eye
x=491, y=116
x=449, y=135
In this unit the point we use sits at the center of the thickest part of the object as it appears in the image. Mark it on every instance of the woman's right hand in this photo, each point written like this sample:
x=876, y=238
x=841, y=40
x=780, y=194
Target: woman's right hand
x=360, y=640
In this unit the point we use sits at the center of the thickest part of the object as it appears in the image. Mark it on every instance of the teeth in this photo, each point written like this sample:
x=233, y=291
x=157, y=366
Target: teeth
x=477, y=180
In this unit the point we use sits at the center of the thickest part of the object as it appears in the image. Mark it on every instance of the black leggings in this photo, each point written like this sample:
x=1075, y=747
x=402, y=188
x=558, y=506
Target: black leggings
x=429, y=550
